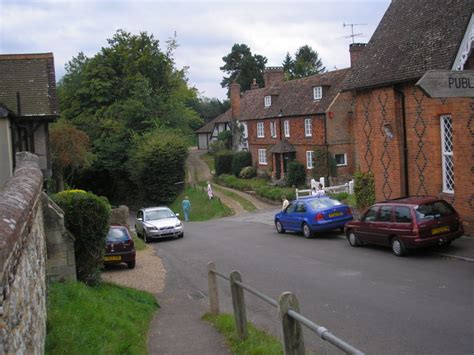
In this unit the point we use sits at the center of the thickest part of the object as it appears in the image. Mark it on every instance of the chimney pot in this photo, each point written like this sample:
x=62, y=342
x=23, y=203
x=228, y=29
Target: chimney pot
x=254, y=84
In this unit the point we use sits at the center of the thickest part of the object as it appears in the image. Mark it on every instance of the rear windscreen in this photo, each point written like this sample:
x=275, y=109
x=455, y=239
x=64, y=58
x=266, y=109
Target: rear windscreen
x=117, y=235
x=433, y=210
x=318, y=203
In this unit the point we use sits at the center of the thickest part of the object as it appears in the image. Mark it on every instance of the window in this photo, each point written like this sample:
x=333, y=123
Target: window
x=273, y=131
x=286, y=127
x=300, y=207
x=318, y=92
x=385, y=214
x=447, y=154
x=267, y=101
x=371, y=214
x=308, y=129
x=433, y=210
x=341, y=159
x=291, y=208
x=402, y=214
x=309, y=159
x=262, y=156
x=260, y=130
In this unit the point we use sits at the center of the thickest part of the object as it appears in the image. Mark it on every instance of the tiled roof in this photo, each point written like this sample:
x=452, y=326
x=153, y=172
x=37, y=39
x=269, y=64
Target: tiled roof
x=283, y=147
x=412, y=37
x=209, y=126
x=33, y=77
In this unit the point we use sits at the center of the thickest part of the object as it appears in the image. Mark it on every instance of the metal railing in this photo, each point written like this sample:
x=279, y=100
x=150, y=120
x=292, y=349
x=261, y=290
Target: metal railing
x=288, y=308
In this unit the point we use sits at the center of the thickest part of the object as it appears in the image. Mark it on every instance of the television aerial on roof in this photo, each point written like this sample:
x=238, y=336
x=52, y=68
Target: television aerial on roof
x=353, y=35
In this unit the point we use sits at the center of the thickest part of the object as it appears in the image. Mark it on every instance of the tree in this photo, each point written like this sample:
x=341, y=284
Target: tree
x=288, y=66
x=210, y=108
x=242, y=66
x=306, y=63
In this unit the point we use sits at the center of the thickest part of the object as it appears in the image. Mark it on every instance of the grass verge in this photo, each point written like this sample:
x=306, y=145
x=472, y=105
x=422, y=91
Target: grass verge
x=257, y=343
x=202, y=209
x=139, y=243
x=106, y=319
x=246, y=204
x=209, y=160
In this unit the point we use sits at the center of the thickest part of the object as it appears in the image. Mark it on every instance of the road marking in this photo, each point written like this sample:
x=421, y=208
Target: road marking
x=457, y=257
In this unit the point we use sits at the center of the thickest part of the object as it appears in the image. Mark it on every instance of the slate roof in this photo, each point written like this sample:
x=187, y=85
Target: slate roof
x=412, y=37
x=33, y=77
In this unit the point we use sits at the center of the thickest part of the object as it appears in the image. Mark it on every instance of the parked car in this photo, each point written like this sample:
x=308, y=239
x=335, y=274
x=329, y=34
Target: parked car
x=158, y=222
x=120, y=247
x=313, y=214
x=406, y=223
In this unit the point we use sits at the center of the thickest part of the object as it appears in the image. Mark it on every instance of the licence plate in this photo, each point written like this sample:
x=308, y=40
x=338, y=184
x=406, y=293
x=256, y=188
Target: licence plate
x=439, y=230
x=335, y=214
x=112, y=258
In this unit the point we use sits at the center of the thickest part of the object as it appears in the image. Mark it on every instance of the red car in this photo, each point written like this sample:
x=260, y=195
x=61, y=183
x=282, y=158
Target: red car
x=406, y=223
x=120, y=247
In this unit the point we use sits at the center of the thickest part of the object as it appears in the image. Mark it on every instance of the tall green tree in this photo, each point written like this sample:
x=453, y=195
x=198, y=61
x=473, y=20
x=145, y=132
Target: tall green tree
x=288, y=66
x=305, y=63
x=242, y=66
x=210, y=108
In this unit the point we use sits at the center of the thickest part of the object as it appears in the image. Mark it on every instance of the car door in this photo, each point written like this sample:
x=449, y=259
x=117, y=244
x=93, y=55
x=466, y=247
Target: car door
x=403, y=222
x=299, y=215
x=138, y=223
x=382, y=227
x=366, y=227
x=288, y=216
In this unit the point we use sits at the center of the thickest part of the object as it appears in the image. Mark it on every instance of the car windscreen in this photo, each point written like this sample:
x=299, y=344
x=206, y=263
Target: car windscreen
x=117, y=235
x=159, y=214
x=319, y=203
x=433, y=210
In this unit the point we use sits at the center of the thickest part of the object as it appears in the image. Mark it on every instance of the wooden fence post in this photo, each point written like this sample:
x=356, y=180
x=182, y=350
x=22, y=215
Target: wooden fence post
x=293, y=341
x=238, y=303
x=213, y=291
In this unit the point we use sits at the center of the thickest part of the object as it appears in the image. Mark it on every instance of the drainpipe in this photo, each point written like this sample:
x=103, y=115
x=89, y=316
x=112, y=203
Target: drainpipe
x=327, y=148
x=404, y=142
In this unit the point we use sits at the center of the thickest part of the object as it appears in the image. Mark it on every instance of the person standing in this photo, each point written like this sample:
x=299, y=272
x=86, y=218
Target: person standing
x=209, y=191
x=320, y=191
x=186, y=208
x=285, y=203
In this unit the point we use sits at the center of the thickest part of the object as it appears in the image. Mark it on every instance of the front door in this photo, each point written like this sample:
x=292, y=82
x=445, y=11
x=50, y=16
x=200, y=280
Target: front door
x=287, y=158
x=277, y=166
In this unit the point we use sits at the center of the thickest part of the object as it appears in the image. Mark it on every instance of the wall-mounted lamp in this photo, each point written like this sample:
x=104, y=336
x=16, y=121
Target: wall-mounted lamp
x=388, y=130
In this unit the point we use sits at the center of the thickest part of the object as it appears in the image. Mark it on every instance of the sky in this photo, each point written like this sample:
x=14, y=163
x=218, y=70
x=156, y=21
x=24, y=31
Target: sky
x=205, y=30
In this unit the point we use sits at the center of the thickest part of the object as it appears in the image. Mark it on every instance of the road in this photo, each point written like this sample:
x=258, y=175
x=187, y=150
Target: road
x=421, y=304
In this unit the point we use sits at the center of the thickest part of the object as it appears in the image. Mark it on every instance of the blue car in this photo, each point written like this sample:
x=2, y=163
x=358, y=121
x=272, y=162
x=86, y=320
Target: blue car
x=313, y=214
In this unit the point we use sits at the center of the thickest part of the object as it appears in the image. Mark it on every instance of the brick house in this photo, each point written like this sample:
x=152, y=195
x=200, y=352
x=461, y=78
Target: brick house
x=414, y=144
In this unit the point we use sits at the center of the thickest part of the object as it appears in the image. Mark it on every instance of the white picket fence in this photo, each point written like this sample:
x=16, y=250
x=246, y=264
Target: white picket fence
x=347, y=187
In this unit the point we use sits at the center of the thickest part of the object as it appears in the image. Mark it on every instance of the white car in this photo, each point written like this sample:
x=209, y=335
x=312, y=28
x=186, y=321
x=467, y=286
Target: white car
x=158, y=222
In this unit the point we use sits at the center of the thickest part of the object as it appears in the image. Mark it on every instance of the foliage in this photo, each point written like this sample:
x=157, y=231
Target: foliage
x=209, y=160
x=240, y=160
x=296, y=173
x=364, y=188
x=324, y=163
x=275, y=193
x=157, y=165
x=226, y=137
x=217, y=147
x=223, y=162
x=248, y=172
x=306, y=63
x=242, y=66
x=86, y=216
x=240, y=184
x=258, y=341
x=340, y=196
x=106, y=319
x=209, y=108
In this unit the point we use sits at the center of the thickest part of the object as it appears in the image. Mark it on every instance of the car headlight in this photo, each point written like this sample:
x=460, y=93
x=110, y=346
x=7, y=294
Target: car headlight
x=178, y=224
x=152, y=228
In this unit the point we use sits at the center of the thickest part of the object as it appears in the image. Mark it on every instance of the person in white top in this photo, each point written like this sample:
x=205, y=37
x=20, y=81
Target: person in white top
x=320, y=192
x=285, y=203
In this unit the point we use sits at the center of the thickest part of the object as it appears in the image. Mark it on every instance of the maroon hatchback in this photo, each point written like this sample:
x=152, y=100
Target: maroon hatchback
x=406, y=223
x=120, y=247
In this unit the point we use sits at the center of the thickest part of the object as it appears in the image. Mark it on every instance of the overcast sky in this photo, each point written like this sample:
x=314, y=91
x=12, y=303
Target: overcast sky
x=206, y=30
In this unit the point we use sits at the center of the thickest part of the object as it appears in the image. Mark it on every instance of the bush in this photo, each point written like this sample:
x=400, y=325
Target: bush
x=364, y=188
x=223, y=162
x=324, y=164
x=86, y=216
x=340, y=196
x=239, y=161
x=296, y=173
x=226, y=138
x=216, y=147
x=275, y=193
x=248, y=172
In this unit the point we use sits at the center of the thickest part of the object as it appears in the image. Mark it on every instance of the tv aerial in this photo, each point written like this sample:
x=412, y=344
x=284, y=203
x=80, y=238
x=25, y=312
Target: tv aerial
x=353, y=35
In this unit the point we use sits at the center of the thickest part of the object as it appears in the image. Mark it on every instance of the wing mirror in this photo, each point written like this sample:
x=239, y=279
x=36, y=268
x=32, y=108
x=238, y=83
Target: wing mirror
x=140, y=219
x=177, y=214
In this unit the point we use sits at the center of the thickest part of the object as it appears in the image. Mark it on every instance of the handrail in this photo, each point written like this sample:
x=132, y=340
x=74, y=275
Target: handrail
x=259, y=294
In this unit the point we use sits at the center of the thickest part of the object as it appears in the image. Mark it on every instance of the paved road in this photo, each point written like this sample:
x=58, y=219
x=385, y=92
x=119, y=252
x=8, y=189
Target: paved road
x=421, y=304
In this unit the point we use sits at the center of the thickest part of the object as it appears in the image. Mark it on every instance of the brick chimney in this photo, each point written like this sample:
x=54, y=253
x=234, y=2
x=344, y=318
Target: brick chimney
x=254, y=84
x=235, y=99
x=356, y=50
x=273, y=76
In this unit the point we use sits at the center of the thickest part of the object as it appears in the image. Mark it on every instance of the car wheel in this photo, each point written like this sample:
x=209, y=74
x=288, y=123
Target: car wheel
x=445, y=245
x=131, y=264
x=279, y=227
x=181, y=235
x=145, y=238
x=353, y=239
x=397, y=247
x=307, y=231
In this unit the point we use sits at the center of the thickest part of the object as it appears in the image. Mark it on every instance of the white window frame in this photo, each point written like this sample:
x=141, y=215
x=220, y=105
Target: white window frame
x=310, y=159
x=318, y=92
x=447, y=154
x=260, y=129
x=345, y=159
x=267, y=101
x=286, y=128
x=273, y=130
x=262, y=157
x=308, y=127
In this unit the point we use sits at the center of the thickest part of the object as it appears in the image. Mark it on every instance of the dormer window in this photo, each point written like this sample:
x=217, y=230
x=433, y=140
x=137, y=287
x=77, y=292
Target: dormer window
x=318, y=92
x=267, y=101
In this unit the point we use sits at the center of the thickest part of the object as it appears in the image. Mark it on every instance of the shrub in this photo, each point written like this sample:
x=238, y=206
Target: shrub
x=324, y=164
x=296, y=173
x=364, y=188
x=340, y=196
x=216, y=147
x=226, y=138
x=264, y=174
x=223, y=162
x=86, y=216
x=248, y=172
x=240, y=160
x=275, y=193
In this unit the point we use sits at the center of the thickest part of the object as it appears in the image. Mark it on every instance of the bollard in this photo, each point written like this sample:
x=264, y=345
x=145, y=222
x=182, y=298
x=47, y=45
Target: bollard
x=238, y=303
x=293, y=341
x=213, y=292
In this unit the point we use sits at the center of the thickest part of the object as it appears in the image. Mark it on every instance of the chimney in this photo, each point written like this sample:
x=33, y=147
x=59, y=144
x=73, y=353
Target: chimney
x=254, y=84
x=273, y=76
x=235, y=100
x=356, y=50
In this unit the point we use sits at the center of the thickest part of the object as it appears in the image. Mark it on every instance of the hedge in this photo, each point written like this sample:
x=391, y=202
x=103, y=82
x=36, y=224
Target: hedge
x=296, y=173
x=364, y=188
x=223, y=162
x=239, y=161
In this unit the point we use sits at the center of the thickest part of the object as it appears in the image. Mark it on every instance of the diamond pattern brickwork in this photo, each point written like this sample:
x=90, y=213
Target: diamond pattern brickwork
x=367, y=129
x=385, y=158
x=419, y=128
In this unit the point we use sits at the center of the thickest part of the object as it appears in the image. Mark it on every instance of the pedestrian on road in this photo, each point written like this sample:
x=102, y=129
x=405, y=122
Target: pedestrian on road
x=186, y=208
x=285, y=203
x=209, y=191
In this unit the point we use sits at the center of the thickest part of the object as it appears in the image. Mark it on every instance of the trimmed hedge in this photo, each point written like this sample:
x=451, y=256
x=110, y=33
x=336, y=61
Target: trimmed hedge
x=86, y=216
x=275, y=193
x=296, y=173
x=364, y=188
x=223, y=162
x=239, y=161
x=248, y=172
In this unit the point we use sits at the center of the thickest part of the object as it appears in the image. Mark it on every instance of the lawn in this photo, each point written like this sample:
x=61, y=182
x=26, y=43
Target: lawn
x=246, y=204
x=106, y=319
x=202, y=209
x=261, y=187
